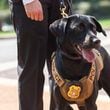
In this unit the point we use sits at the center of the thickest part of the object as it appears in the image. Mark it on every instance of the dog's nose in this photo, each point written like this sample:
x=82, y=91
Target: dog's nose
x=96, y=41
x=91, y=42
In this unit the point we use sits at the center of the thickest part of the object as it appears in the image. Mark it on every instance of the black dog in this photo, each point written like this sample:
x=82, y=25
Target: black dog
x=77, y=46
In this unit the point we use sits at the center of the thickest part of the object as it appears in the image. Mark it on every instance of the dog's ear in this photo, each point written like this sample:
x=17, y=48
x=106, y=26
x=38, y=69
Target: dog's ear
x=58, y=27
x=98, y=26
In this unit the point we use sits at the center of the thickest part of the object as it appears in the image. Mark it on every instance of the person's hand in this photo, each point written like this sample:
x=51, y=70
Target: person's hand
x=34, y=10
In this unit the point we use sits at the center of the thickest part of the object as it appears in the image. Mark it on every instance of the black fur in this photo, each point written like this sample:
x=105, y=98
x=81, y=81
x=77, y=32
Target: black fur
x=71, y=32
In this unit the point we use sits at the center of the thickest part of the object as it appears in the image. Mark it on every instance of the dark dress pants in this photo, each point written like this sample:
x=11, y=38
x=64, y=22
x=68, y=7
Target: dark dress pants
x=32, y=45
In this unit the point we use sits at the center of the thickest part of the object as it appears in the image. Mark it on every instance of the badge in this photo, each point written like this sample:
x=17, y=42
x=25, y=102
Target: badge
x=74, y=91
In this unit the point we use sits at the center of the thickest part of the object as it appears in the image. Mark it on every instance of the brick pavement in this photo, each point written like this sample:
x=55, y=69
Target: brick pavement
x=9, y=99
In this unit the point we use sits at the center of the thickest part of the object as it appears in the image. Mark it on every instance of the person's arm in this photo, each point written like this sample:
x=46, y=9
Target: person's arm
x=33, y=9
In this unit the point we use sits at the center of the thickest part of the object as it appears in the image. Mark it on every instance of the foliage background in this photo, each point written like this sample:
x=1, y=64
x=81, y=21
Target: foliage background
x=3, y=4
x=98, y=8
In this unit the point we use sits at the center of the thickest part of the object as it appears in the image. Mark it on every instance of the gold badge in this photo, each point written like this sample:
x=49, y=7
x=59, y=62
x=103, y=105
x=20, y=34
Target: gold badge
x=74, y=91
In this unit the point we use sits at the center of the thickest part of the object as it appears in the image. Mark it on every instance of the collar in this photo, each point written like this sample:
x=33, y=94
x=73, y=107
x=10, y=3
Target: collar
x=70, y=56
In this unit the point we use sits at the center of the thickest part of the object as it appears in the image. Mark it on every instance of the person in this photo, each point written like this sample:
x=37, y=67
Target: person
x=35, y=44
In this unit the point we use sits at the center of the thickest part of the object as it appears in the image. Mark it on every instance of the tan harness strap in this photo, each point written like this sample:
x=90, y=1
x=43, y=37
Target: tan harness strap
x=92, y=72
x=58, y=79
x=99, y=63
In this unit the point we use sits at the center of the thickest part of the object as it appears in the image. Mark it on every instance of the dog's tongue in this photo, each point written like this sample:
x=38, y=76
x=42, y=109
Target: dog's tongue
x=89, y=55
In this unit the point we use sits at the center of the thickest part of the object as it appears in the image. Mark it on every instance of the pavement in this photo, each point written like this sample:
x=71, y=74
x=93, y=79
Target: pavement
x=9, y=97
x=9, y=88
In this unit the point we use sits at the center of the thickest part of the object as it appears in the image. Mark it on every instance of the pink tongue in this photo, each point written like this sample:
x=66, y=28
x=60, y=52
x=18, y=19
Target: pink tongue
x=88, y=55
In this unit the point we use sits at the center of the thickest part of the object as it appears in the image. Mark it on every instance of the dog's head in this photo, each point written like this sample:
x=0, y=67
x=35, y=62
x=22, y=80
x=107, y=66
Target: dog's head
x=76, y=35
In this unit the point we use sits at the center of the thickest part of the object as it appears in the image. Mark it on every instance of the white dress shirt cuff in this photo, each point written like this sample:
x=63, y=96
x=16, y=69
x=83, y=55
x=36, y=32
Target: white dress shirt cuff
x=27, y=1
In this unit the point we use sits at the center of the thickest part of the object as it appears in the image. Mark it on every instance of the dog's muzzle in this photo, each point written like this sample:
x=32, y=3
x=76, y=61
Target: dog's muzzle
x=91, y=42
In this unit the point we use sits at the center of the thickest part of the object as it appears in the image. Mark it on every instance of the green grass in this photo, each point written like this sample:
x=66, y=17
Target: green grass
x=105, y=23
x=7, y=34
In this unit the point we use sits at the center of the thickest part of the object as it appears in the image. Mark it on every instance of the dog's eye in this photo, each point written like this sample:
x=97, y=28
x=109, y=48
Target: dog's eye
x=76, y=29
x=81, y=26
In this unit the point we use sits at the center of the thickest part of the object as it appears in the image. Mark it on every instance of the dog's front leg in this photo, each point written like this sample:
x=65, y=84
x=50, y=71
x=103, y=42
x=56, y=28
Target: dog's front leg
x=82, y=107
x=57, y=101
x=88, y=106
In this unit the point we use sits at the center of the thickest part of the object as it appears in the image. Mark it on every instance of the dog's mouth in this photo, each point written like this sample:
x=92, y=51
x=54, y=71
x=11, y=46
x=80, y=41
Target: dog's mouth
x=78, y=52
x=88, y=53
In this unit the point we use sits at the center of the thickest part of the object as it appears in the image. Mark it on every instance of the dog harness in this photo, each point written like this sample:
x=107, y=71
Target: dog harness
x=79, y=91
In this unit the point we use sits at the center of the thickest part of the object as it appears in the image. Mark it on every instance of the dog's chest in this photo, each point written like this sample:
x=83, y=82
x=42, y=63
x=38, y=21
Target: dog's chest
x=72, y=70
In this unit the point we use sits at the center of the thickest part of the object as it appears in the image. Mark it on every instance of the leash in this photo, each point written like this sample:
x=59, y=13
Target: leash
x=63, y=9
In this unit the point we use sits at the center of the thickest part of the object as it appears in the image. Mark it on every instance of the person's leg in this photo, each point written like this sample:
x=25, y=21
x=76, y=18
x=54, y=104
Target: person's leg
x=32, y=43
